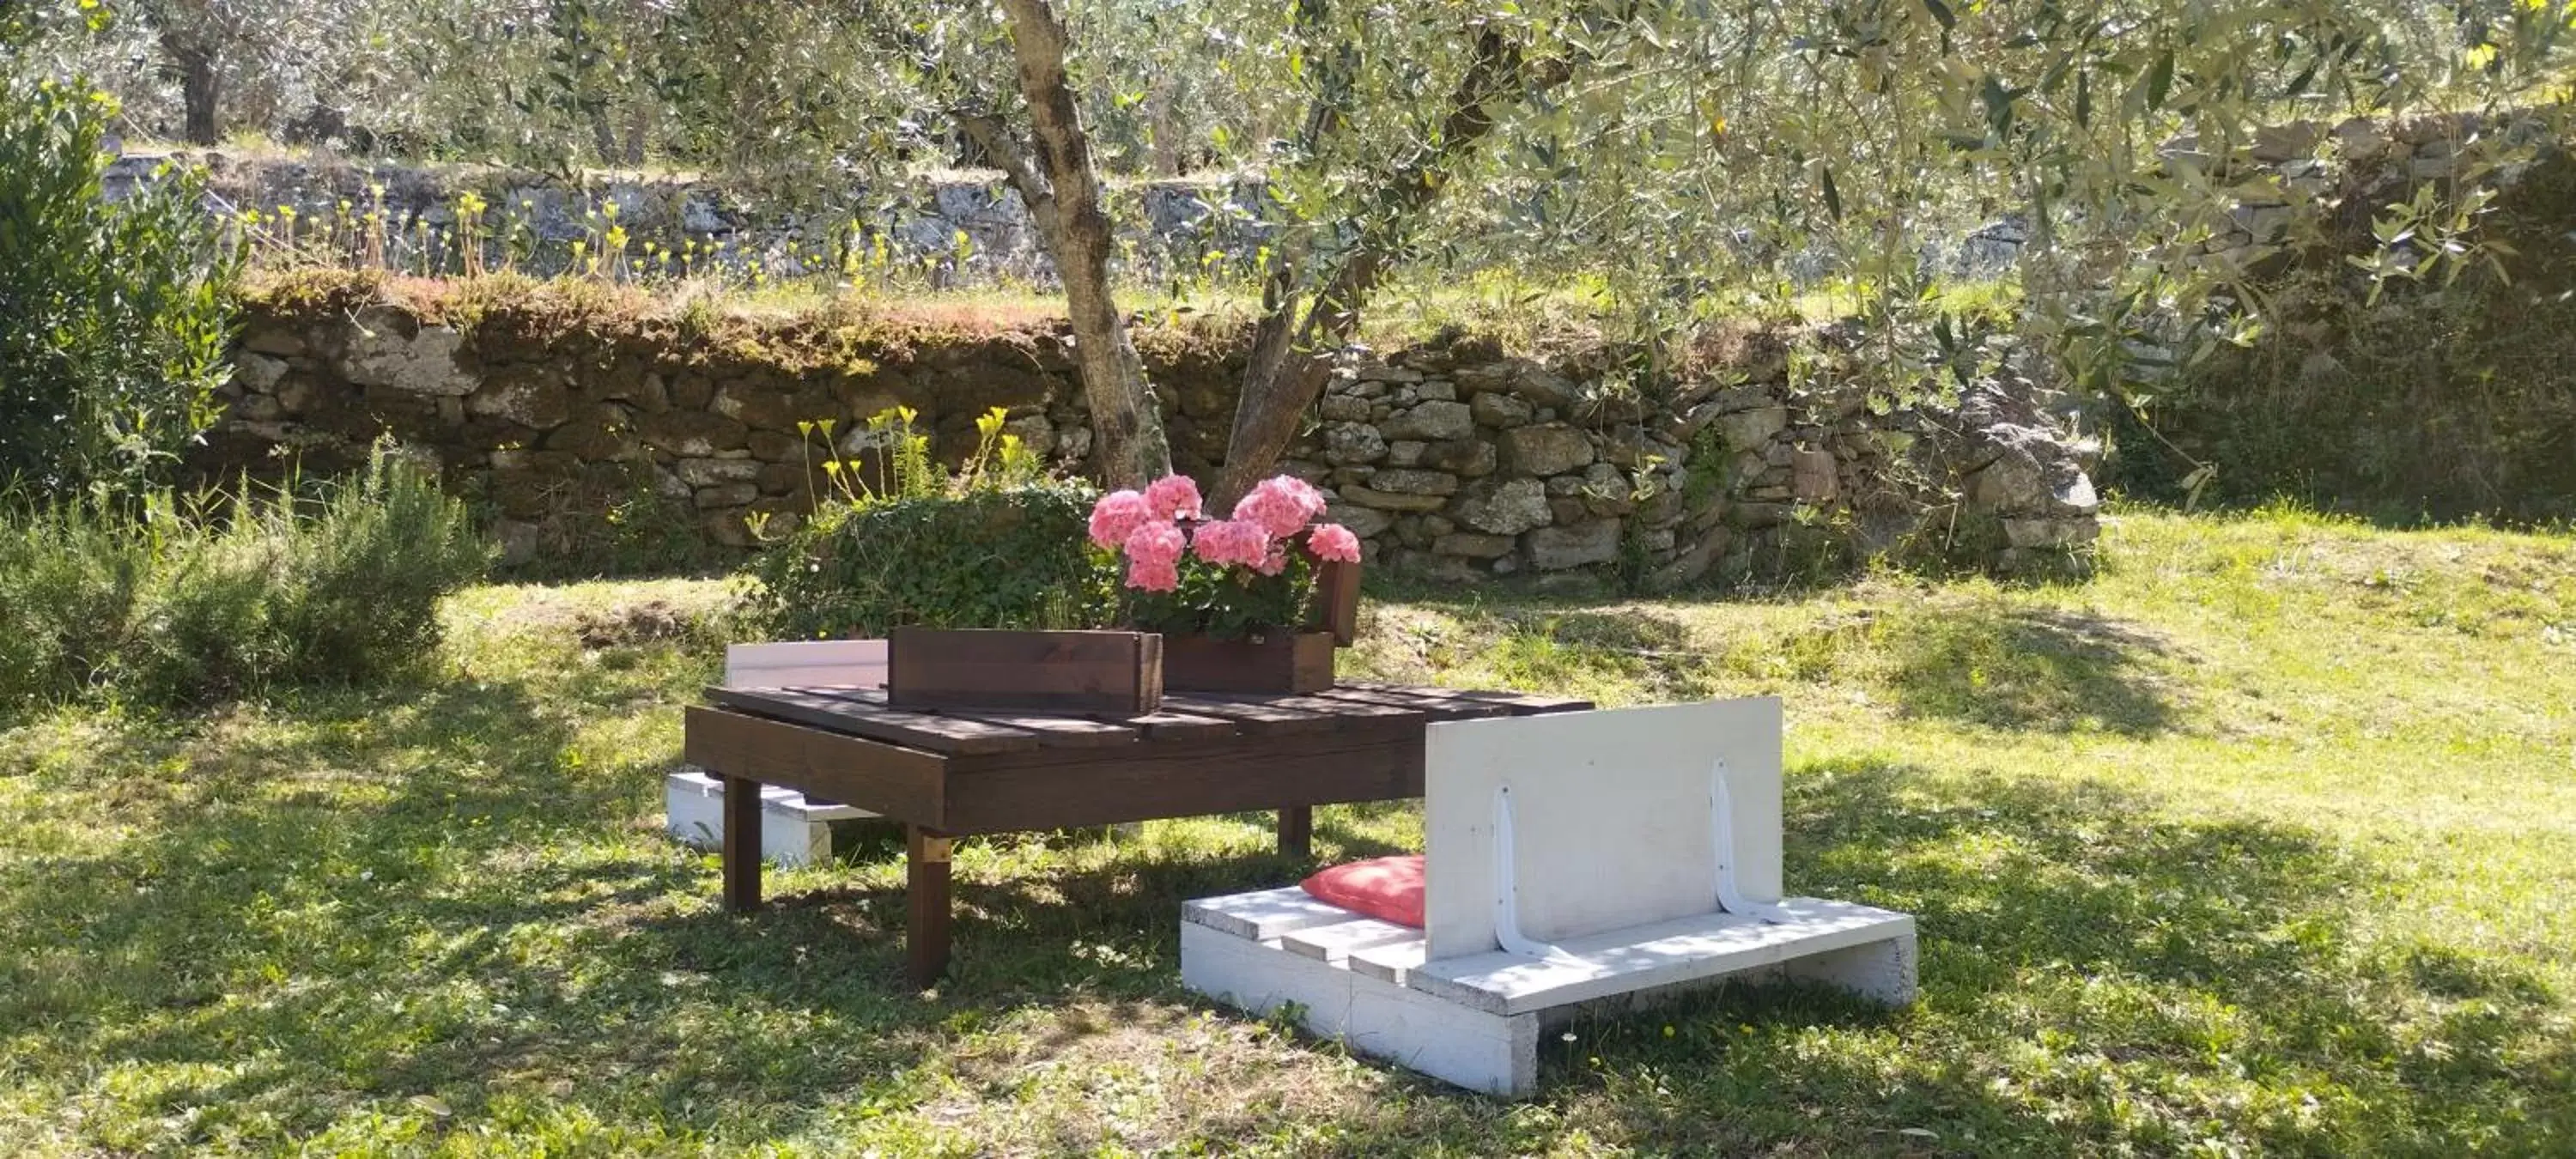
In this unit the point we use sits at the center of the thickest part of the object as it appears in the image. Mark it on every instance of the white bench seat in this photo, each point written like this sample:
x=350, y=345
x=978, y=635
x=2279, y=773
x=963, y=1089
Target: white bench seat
x=1582, y=862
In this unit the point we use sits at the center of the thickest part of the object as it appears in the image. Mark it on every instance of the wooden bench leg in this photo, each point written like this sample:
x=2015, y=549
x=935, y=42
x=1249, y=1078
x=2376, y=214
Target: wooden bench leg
x=1297, y=832
x=926, y=898
x=741, y=844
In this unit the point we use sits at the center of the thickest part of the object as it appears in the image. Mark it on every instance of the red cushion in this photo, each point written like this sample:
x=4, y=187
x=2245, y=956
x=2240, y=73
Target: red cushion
x=1387, y=888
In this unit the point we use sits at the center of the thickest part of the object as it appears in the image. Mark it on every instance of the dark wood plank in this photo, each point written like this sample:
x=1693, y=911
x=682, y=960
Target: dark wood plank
x=1052, y=730
x=1277, y=662
x=1439, y=708
x=902, y=783
x=1297, y=832
x=1521, y=703
x=741, y=844
x=938, y=734
x=1347, y=710
x=1169, y=725
x=1252, y=716
x=1060, y=788
x=1069, y=672
x=927, y=905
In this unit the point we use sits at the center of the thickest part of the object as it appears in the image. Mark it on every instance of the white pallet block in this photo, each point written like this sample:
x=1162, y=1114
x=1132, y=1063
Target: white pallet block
x=1474, y=1022
x=794, y=830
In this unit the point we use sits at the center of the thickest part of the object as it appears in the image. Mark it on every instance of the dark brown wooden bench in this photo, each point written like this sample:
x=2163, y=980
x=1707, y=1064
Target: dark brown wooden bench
x=948, y=774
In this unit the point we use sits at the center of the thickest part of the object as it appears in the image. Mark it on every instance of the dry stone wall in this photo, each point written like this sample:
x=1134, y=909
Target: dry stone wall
x=1452, y=459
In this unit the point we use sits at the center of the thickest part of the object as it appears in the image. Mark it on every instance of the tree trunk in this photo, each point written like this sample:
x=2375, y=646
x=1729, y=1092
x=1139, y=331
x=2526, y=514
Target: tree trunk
x=1292, y=356
x=1124, y=418
x=201, y=82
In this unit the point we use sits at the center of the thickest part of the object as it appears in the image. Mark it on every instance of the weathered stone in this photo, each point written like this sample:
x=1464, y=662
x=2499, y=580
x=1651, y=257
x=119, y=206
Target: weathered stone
x=1034, y=432
x=1432, y=421
x=1469, y=458
x=788, y=479
x=2060, y=533
x=1500, y=410
x=776, y=446
x=538, y=402
x=280, y=341
x=1687, y=567
x=1435, y=567
x=1372, y=370
x=1759, y=514
x=1508, y=508
x=1474, y=546
x=1415, y=482
x=596, y=433
x=1365, y=522
x=694, y=392
x=1408, y=531
x=1660, y=539
x=1563, y=486
x=1544, y=387
x=1568, y=509
x=710, y=472
x=725, y=495
x=1073, y=444
x=1545, y=450
x=1391, y=500
x=257, y=373
x=1814, y=476
x=1352, y=443
x=1559, y=548
x=1405, y=453
x=259, y=408
x=388, y=349
x=1344, y=408
x=1347, y=476
x=1437, y=525
x=769, y=408
x=1437, y=390
x=691, y=434
x=1749, y=429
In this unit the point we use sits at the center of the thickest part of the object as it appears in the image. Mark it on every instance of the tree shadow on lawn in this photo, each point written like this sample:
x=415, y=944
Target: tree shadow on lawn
x=2027, y=669
x=476, y=924
x=2094, y=977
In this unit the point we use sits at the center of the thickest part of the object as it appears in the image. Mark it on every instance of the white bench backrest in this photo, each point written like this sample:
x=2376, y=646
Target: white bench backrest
x=806, y=664
x=1612, y=820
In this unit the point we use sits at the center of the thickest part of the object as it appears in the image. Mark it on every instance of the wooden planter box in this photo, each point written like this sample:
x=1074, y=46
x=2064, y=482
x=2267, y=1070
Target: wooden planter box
x=1117, y=673
x=1277, y=662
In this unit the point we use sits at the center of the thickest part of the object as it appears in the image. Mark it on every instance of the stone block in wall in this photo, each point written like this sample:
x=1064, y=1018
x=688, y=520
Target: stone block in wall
x=692, y=434
x=1372, y=370
x=1432, y=422
x=280, y=341
x=1564, y=486
x=792, y=479
x=1405, y=453
x=1408, y=531
x=1437, y=390
x=649, y=392
x=1544, y=387
x=1392, y=500
x=710, y=472
x=1505, y=508
x=768, y=407
x=1034, y=431
x=1344, y=408
x=2051, y=533
x=692, y=391
x=596, y=432
x=1365, y=522
x=387, y=347
x=1813, y=476
x=1552, y=449
x=1690, y=565
x=1754, y=515
x=777, y=446
x=1349, y=444
x=1474, y=545
x=1466, y=458
x=1750, y=429
x=1564, y=509
x=1411, y=482
x=532, y=399
x=257, y=372
x=725, y=495
x=1581, y=544
x=1500, y=410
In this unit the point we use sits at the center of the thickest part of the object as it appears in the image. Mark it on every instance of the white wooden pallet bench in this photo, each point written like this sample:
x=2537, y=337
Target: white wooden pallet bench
x=1574, y=863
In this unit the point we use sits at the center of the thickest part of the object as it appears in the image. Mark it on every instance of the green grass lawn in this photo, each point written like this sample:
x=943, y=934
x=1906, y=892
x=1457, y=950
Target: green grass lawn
x=2262, y=842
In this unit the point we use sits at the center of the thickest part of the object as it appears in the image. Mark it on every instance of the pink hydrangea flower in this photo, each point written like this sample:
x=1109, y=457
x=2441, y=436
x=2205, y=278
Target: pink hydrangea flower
x=1334, y=542
x=1232, y=541
x=1174, y=497
x=1275, y=561
x=1282, y=505
x=1154, y=557
x=1117, y=516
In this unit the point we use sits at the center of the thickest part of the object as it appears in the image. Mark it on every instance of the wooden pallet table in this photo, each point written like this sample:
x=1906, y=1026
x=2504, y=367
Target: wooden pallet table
x=947, y=774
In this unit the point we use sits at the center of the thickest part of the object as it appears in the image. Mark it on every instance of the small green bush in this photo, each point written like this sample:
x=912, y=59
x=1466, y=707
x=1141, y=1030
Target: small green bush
x=236, y=592
x=113, y=316
x=1003, y=557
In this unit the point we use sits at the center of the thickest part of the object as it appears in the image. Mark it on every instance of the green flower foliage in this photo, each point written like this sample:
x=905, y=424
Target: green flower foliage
x=987, y=557
x=230, y=593
x=113, y=317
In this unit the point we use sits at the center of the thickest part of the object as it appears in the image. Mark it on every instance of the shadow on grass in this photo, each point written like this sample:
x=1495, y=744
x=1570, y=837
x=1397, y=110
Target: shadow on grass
x=2027, y=669
x=413, y=897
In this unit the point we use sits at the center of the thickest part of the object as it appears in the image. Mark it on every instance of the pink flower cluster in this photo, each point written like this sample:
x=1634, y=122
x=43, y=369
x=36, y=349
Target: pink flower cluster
x=1148, y=527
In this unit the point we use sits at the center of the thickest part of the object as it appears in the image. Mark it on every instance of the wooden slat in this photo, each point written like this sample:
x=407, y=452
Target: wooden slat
x=1438, y=708
x=1251, y=716
x=903, y=783
x=1052, y=731
x=1052, y=788
x=1180, y=725
x=1351, y=709
x=936, y=734
x=1521, y=703
x=1041, y=672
